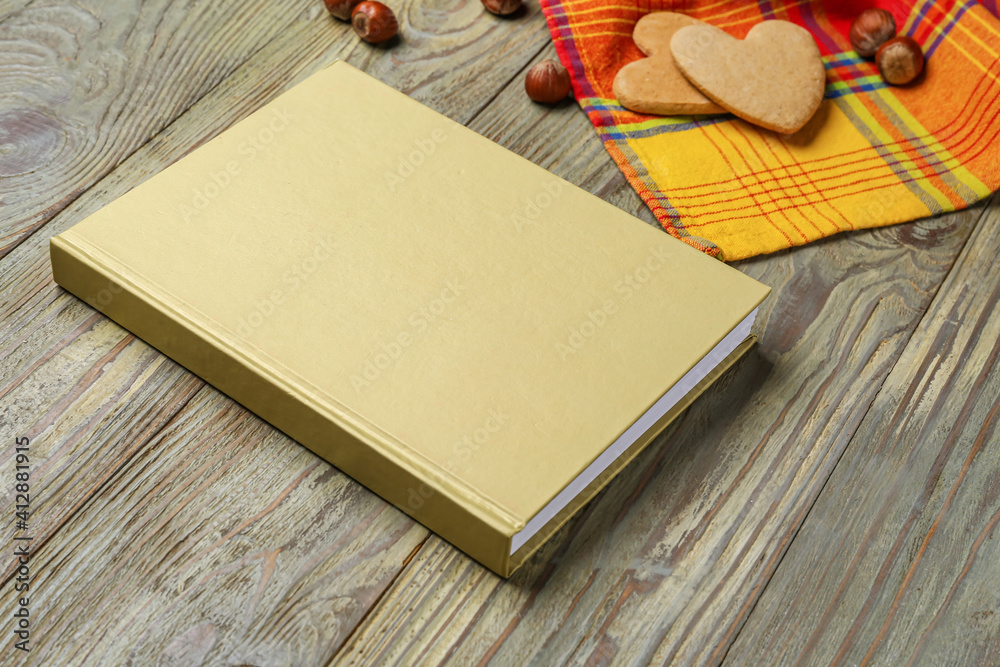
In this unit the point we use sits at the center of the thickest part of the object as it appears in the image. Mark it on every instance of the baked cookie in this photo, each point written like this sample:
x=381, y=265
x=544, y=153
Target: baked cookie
x=654, y=85
x=773, y=78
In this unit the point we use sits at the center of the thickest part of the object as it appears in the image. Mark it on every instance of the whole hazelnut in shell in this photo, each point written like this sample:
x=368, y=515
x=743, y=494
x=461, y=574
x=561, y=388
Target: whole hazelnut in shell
x=341, y=8
x=374, y=22
x=900, y=60
x=502, y=7
x=547, y=82
x=870, y=30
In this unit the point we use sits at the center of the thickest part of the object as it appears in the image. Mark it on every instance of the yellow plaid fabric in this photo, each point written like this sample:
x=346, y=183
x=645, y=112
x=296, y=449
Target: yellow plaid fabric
x=873, y=155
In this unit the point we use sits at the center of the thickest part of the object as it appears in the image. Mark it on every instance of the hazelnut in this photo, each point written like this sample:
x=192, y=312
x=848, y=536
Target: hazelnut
x=547, y=82
x=870, y=30
x=341, y=8
x=374, y=22
x=900, y=60
x=502, y=7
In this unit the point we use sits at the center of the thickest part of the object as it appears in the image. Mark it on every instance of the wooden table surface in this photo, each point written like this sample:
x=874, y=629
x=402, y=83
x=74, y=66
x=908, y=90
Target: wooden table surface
x=834, y=499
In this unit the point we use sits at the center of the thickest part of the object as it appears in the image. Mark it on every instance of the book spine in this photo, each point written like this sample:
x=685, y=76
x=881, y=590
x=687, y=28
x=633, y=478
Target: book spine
x=459, y=516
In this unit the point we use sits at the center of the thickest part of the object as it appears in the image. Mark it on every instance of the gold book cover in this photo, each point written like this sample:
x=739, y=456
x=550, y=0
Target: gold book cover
x=479, y=342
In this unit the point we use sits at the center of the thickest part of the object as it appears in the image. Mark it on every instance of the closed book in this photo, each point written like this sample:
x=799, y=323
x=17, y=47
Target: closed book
x=479, y=342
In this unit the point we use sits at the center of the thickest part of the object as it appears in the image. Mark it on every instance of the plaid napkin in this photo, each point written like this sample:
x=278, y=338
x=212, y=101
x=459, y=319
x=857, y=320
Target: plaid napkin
x=873, y=155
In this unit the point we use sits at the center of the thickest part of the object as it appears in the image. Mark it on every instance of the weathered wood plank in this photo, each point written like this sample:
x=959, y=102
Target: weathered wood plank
x=222, y=543
x=41, y=325
x=93, y=397
x=591, y=171
x=897, y=562
x=8, y=7
x=82, y=89
x=665, y=566
x=40, y=318
x=94, y=407
x=83, y=86
x=628, y=580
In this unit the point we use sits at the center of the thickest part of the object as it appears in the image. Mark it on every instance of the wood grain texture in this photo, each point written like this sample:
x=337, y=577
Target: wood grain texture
x=222, y=542
x=83, y=85
x=93, y=397
x=82, y=88
x=88, y=405
x=898, y=560
x=54, y=346
x=176, y=528
x=665, y=566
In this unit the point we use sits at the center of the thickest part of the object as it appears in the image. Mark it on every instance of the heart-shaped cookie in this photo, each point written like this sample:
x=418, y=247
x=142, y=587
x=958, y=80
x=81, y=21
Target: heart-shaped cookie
x=773, y=78
x=654, y=84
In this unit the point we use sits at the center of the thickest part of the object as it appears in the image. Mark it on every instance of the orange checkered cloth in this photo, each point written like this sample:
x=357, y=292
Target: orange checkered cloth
x=874, y=154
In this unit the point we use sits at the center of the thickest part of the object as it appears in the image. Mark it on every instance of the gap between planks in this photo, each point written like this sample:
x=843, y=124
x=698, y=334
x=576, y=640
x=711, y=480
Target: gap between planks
x=374, y=605
x=124, y=461
x=73, y=196
x=993, y=199
x=63, y=205
x=416, y=550
x=180, y=118
x=500, y=89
